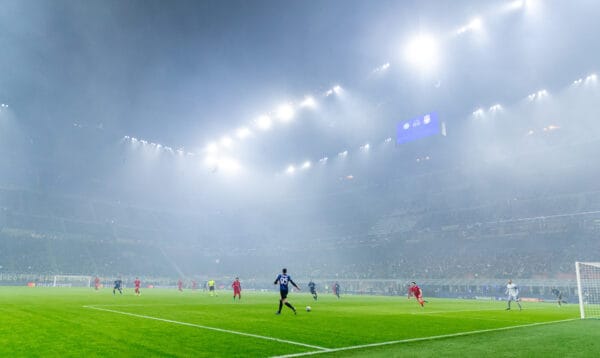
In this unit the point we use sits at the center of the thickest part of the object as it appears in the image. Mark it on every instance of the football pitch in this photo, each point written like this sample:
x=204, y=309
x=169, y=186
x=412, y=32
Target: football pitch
x=166, y=323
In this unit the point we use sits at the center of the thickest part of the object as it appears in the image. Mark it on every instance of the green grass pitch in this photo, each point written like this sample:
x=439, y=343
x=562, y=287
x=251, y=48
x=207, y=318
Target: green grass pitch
x=73, y=322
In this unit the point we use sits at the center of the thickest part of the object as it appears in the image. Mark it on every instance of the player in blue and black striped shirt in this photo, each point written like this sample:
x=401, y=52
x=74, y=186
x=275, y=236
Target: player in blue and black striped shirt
x=284, y=280
x=313, y=289
x=118, y=284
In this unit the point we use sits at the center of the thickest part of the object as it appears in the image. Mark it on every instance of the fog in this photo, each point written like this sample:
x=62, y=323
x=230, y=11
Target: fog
x=121, y=152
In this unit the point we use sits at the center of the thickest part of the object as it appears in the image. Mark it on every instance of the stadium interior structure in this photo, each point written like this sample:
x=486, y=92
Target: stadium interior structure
x=440, y=221
x=506, y=190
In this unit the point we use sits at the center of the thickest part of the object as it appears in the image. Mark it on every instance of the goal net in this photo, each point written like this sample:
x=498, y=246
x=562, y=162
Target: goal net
x=588, y=288
x=71, y=281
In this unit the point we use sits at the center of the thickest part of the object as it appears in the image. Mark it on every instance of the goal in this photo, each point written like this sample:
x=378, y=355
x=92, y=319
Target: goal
x=71, y=281
x=588, y=288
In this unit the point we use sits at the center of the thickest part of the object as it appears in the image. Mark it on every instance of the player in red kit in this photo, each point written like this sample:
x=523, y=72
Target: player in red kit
x=180, y=285
x=237, y=288
x=137, y=283
x=96, y=283
x=414, y=290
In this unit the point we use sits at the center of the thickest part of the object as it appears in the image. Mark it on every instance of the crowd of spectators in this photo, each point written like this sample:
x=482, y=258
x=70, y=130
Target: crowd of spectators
x=430, y=226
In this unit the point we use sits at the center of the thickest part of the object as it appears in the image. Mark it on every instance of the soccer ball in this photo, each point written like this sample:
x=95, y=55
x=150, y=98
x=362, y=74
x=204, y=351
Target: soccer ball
x=308, y=308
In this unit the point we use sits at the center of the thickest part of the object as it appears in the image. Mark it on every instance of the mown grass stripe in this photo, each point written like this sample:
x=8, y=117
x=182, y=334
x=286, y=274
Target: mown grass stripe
x=420, y=339
x=207, y=327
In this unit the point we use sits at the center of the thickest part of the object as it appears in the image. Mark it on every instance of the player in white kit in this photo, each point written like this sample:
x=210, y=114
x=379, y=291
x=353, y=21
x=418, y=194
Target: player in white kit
x=513, y=294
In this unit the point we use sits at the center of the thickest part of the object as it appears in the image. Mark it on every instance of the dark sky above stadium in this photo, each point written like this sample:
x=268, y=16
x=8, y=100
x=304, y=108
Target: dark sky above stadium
x=80, y=75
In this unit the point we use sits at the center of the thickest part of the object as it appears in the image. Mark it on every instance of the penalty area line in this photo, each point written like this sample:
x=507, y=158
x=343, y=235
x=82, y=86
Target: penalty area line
x=420, y=339
x=208, y=328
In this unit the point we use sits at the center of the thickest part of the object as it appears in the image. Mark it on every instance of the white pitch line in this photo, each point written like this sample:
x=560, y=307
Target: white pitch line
x=209, y=328
x=481, y=310
x=139, y=305
x=410, y=340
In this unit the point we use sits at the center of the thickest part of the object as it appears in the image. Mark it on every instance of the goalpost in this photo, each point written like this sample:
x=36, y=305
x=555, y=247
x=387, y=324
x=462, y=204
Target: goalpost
x=71, y=281
x=588, y=288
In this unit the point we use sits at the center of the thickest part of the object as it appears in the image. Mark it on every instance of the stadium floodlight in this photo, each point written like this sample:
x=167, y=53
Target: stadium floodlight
x=226, y=141
x=541, y=94
x=343, y=154
x=285, y=112
x=473, y=25
x=578, y=81
x=495, y=108
x=4, y=105
x=264, y=122
x=323, y=160
x=516, y=4
x=144, y=142
x=591, y=78
x=422, y=52
x=242, y=132
x=308, y=102
x=388, y=140
x=478, y=113
x=307, y=164
x=228, y=165
x=212, y=147
x=290, y=169
x=337, y=89
x=365, y=147
x=538, y=95
x=382, y=68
